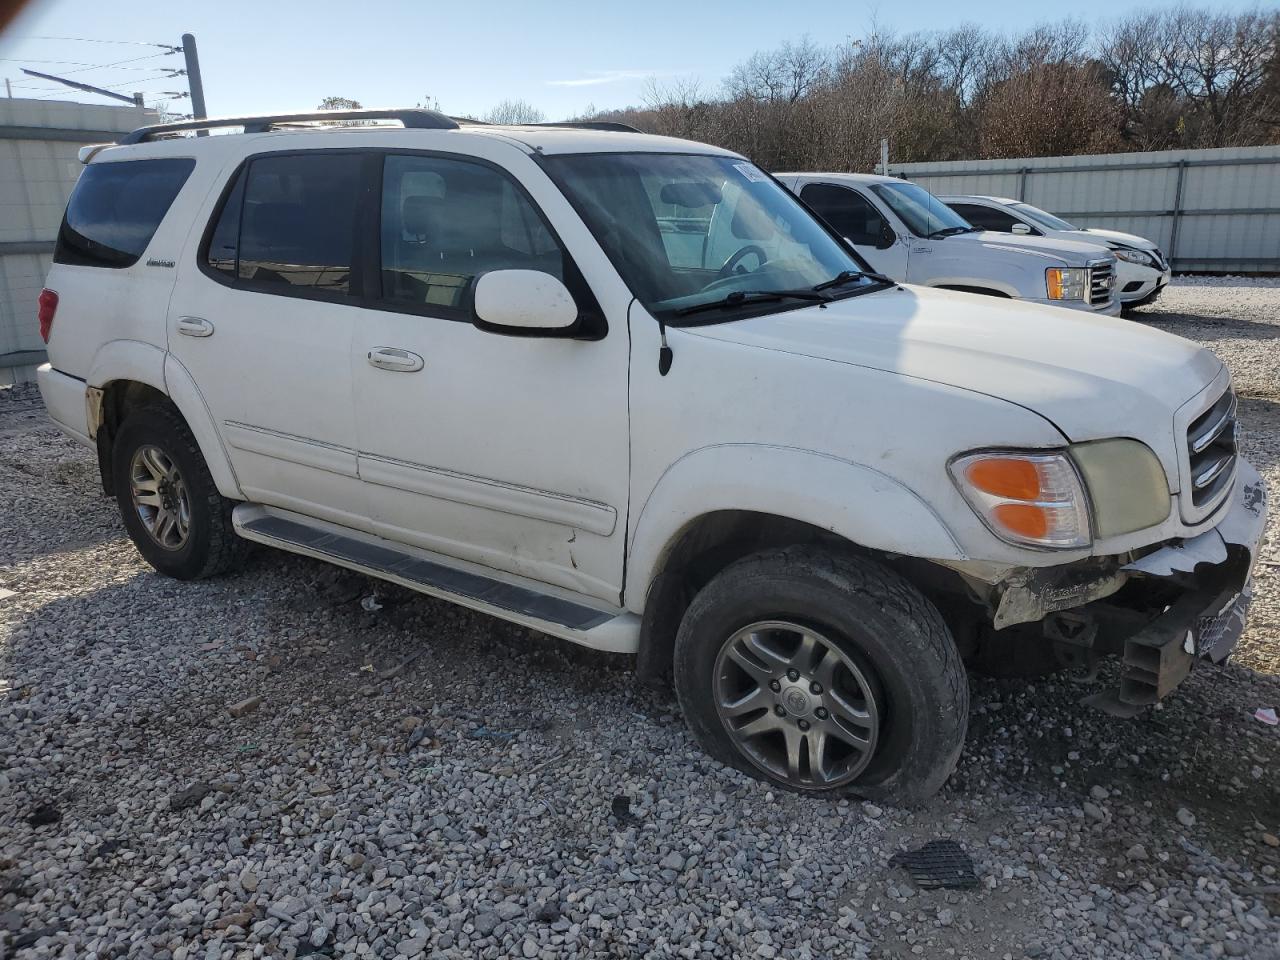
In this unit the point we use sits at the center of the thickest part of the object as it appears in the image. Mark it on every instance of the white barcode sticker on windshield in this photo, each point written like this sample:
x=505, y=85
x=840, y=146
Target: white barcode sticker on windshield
x=751, y=172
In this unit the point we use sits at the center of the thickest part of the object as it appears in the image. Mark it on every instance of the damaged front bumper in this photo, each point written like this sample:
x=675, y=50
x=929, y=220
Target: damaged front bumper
x=1158, y=612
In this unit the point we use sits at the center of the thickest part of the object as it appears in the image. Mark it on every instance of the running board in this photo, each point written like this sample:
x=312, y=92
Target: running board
x=542, y=607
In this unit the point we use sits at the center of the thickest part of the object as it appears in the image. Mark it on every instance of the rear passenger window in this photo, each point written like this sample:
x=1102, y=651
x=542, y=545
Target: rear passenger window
x=224, y=244
x=116, y=208
x=289, y=223
x=446, y=221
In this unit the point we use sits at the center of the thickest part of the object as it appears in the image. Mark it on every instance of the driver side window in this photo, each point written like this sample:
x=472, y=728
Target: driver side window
x=849, y=212
x=987, y=218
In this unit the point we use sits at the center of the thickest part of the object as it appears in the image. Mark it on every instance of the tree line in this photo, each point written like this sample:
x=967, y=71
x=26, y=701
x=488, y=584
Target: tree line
x=1158, y=80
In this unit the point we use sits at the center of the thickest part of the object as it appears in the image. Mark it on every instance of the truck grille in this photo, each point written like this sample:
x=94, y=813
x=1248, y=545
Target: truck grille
x=1211, y=449
x=1101, y=281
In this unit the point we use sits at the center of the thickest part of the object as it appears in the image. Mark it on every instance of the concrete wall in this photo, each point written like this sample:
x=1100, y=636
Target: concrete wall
x=1208, y=210
x=38, y=167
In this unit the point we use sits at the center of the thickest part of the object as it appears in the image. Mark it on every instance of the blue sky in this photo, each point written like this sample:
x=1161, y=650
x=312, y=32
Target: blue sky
x=272, y=55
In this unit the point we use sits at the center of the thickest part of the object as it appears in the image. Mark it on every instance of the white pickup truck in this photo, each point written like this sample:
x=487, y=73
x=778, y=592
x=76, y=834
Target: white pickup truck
x=1142, y=271
x=908, y=234
x=628, y=391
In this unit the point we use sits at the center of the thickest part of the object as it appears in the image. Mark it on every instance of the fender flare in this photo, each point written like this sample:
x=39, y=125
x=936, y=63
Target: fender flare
x=145, y=363
x=854, y=501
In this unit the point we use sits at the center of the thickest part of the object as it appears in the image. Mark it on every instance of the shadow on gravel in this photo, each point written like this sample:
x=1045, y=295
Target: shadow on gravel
x=1207, y=328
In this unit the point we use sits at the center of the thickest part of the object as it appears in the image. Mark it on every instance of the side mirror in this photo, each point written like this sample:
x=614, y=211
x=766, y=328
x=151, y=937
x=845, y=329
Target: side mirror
x=887, y=237
x=1020, y=228
x=523, y=303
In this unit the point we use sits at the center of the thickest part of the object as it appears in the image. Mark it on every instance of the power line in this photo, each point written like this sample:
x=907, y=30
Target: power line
x=139, y=43
x=73, y=63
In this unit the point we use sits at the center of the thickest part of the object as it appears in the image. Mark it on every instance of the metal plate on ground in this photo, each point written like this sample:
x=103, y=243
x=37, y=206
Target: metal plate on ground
x=938, y=864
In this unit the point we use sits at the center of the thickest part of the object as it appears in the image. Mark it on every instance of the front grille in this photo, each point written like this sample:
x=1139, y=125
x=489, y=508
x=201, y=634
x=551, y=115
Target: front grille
x=1211, y=450
x=1161, y=262
x=1101, y=280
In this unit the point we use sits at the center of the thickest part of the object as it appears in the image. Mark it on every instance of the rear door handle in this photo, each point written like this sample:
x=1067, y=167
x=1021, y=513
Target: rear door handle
x=194, y=327
x=395, y=359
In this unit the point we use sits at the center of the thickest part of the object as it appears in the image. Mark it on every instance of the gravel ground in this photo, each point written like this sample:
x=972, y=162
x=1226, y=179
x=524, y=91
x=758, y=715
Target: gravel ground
x=260, y=766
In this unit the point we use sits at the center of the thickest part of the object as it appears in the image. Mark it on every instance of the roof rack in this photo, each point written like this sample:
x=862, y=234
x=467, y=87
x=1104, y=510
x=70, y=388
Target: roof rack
x=613, y=125
x=411, y=119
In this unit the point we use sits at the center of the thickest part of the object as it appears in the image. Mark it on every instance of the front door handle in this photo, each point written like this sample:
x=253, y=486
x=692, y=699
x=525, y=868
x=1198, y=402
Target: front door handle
x=194, y=327
x=395, y=359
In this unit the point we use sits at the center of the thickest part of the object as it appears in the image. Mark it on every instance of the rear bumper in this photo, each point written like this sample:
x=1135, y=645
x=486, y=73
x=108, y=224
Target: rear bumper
x=65, y=399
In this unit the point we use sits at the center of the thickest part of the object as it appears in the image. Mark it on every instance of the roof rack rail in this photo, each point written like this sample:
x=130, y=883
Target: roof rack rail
x=411, y=119
x=612, y=125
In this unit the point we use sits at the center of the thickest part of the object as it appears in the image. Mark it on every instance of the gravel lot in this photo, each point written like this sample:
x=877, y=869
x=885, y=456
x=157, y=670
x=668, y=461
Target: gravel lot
x=418, y=780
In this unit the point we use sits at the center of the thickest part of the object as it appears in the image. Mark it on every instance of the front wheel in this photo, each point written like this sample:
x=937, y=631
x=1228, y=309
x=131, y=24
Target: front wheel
x=823, y=672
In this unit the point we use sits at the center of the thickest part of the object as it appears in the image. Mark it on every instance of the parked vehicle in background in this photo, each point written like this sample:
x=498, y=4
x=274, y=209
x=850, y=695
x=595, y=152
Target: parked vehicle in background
x=628, y=391
x=1141, y=269
x=907, y=233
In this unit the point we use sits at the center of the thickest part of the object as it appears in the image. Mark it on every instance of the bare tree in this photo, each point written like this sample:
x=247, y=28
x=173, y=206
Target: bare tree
x=1170, y=78
x=514, y=111
x=339, y=103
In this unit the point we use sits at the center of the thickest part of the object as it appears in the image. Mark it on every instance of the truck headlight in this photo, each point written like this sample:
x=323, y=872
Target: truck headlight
x=1030, y=499
x=1062, y=499
x=1140, y=257
x=1067, y=283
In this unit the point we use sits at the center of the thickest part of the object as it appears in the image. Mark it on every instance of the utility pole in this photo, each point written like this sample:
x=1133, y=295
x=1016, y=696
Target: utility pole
x=193, y=81
x=884, y=156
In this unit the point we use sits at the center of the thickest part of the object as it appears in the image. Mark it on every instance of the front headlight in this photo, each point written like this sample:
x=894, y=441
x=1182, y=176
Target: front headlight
x=1066, y=283
x=1140, y=257
x=1062, y=499
x=1030, y=499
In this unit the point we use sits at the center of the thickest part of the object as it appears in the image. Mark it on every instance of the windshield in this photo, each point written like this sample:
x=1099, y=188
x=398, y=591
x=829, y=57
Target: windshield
x=687, y=231
x=923, y=213
x=1044, y=219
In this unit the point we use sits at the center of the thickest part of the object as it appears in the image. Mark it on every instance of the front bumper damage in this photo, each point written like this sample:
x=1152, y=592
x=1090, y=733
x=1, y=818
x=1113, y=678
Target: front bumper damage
x=1159, y=612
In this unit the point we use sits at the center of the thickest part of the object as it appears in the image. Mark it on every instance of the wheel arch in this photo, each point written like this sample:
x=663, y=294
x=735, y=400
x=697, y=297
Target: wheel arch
x=696, y=522
x=128, y=374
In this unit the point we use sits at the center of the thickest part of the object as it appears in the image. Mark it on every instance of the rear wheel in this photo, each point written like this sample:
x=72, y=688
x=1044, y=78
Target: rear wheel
x=823, y=672
x=170, y=506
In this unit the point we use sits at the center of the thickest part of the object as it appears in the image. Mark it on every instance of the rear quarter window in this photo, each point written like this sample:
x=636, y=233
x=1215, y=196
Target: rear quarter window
x=116, y=208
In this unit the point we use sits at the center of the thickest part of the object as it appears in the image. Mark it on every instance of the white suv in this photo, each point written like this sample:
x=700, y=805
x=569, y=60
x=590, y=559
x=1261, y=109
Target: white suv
x=627, y=391
x=1142, y=271
x=909, y=235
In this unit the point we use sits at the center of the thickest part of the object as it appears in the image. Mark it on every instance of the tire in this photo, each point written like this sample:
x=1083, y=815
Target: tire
x=206, y=545
x=886, y=653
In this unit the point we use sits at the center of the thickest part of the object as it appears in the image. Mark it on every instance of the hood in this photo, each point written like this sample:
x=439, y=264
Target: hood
x=1091, y=376
x=1075, y=253
x=1115, y=236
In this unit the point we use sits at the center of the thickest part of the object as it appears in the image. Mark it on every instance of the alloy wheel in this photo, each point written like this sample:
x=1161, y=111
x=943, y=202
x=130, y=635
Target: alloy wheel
x=796, y=705
x=160, y=496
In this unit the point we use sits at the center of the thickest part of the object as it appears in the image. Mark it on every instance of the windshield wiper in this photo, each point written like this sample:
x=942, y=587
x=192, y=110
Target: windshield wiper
x=848, y=276
x=746, y=297
x=951, y=232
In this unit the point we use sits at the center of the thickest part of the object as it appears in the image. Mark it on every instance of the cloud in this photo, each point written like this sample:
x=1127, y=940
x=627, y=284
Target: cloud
x=598, y=78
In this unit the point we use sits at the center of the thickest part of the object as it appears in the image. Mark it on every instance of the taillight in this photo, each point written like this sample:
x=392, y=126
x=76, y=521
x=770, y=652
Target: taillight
x=48, y=307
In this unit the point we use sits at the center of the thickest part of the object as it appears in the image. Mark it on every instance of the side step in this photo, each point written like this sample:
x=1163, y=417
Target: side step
x=542, y=607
